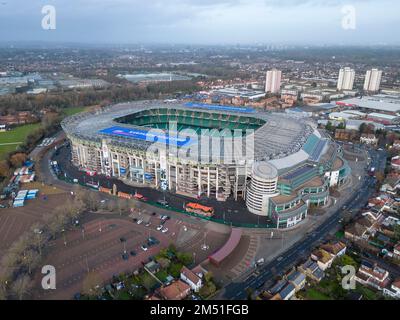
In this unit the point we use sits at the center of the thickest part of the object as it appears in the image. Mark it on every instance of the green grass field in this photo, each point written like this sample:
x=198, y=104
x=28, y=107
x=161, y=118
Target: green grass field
x=71, y=111
x=314, y=294
x=10, y=140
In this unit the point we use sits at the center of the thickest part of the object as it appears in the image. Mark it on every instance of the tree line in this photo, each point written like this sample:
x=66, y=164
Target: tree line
x=10, y=104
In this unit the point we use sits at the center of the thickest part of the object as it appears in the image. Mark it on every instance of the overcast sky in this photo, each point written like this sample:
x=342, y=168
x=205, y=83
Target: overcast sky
x=202, y=21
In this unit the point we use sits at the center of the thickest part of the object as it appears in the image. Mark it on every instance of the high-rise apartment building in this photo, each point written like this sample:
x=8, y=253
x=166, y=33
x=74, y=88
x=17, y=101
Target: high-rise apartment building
x=346, y=79
x=273, y=81
x=372, y=80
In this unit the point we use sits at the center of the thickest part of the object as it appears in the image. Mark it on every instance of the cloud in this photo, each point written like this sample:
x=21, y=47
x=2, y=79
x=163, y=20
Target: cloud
x=216, y=21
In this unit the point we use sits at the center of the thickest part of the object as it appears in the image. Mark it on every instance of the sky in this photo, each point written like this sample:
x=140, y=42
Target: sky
x=311, y=22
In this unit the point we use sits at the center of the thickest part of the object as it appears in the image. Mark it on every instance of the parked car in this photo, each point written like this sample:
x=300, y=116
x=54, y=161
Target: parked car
x=165, y=230
x=144, y=247
x=159, y=227
x=133, y=253
x=125, y=256
x=139, y=221
x=163, y=203
x=148, y=224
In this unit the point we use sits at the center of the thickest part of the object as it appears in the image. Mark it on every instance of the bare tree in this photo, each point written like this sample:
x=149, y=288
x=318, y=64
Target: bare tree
x=112, y=205
x=10, y=260
x=21, y=286
x=31, y=260
x=3, y=294
x=5, y=279
x=21, y=245
x=38, y=241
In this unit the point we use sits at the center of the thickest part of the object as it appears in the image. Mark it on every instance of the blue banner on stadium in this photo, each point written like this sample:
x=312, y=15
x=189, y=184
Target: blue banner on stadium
x=146, y=136
x=219, y=107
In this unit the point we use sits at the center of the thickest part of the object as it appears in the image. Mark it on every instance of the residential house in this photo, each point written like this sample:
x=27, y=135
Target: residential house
x=311, y=269
x=391, y=185
x=192, y=279
x=396, y=144
x=177, y=290
x=345, y=134
x=336, y=249
x=395, y=163
x=297, y=278
x=287, y=292
x=394, y=290
x=362, y=228
x=277, y=287
x=152, y=267
x=372, y=275
x=323, y=258
x=396, y=251
x=369, y=138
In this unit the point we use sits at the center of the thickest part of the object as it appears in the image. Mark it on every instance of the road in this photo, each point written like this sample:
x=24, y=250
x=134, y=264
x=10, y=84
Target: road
x=238, y=290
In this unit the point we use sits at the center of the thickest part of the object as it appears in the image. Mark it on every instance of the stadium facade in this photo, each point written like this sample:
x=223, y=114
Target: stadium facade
x=279, y=164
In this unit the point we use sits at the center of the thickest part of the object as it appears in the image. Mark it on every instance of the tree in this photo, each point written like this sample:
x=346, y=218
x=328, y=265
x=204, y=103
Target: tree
x=57, y=222
x=363, y=128
x=31, y=260
x=208, y=277
x=185, y=258
x=5, y=279
x=329, y=126
x=380, y=177
x=111, y=205
x=10, y=261
x=21, y=286
x=21, y=245
x=4, y=168
x=17, y=159
x=3, y=294
x=91, y=285
x=397, y=232
x=38, y=241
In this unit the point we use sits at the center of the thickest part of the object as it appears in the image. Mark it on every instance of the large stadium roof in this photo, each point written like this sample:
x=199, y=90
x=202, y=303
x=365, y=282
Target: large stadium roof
x=277, y=135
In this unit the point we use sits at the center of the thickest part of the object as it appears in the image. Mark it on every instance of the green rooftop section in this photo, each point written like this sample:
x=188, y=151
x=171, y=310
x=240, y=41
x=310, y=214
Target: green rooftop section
x=160, y=118
x=310, y=144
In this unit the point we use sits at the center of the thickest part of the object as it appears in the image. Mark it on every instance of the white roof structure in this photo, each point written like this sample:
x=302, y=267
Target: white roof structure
x=377, y=102
x=291, y=160
x=382, y=115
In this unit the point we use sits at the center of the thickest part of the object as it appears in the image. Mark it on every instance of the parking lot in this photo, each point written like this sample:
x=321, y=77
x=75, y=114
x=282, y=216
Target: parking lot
x=110, y=245
x=98, y=247
x=15, y=221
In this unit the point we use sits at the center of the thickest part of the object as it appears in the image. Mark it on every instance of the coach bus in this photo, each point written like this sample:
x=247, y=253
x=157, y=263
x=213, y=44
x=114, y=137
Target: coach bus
x=199, y=209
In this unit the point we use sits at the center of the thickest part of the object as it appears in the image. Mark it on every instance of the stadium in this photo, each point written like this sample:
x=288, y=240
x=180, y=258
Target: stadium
x=280, y=165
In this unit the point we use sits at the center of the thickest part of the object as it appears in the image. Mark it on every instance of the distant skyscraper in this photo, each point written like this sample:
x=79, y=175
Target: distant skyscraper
x=372, y=80
x=273, y=81
x=346, y=79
